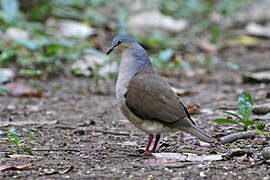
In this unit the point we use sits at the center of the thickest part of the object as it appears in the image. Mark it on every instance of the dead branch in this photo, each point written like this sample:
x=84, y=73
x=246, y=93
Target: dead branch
x=240, y=135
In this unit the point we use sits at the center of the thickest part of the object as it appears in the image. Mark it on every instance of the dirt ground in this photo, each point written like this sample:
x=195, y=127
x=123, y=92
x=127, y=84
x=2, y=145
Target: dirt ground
x=89, y=137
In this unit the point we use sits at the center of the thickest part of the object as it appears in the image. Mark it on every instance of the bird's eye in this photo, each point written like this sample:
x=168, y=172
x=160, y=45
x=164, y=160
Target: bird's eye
x=119, y=41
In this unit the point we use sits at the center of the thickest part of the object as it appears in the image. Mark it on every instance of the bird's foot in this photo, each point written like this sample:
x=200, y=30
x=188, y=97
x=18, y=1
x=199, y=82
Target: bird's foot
x=146, y=153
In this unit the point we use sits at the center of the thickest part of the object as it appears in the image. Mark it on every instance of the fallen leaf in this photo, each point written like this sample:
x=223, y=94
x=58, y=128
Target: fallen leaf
x=61, y=171
x=91, y=63
x=258, y=30
x=247, y=40
x=21, y=89
x=147, y=21
x=210, y=157
x=18, y=156
x=129, y=143
x=193, y=109
x=16, y=167
x=242, y=158
x=69, y=28
x=49, y=171
x=181, y=92
x=207, y=46
x=170, y=156
x=207, y=111
x=23, y=123
x=66, y=170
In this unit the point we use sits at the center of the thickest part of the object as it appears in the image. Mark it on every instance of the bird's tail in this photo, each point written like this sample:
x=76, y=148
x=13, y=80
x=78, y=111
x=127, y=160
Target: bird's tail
x=198, y=133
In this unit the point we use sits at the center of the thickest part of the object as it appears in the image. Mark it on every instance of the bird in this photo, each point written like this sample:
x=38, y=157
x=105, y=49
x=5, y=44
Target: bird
x=147, y=100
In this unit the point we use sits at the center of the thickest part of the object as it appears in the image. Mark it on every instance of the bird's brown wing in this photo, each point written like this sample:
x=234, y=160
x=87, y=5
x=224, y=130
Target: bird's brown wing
x=149, y=97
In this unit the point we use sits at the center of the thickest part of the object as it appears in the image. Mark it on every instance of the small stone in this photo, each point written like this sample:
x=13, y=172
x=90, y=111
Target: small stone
x=202, y=174
x=266, y=153
x=149, y=177
x=252, y=164
x=261, y=108
x=11, y=107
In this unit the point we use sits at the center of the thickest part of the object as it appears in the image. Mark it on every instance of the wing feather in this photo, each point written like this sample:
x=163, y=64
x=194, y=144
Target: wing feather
x=149, y=97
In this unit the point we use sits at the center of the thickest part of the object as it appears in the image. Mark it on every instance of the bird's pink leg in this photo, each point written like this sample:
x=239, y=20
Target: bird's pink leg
x=156, y=143
x=148, y=145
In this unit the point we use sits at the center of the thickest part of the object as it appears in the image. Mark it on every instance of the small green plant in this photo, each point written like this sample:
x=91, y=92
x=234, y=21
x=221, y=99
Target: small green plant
x=20, y=140
x=245, y=104
x=2, y=159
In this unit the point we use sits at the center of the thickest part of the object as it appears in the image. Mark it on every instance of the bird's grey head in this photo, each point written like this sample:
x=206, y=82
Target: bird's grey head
x=121, y=41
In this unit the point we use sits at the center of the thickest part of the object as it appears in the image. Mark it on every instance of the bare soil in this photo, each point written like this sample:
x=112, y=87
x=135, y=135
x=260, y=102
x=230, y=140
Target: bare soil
x=91, y=138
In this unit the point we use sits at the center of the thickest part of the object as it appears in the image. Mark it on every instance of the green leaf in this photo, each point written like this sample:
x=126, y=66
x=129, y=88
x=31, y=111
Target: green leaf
x=33, y=139
x=225, y=121
x=245, y=104
x=235, y=115
x=30, y=72
x=10, y=138
x=260, y=126
x=28, y=150
x=13, y=151
x=10, y=9
x=6, y=54
x=247, y=123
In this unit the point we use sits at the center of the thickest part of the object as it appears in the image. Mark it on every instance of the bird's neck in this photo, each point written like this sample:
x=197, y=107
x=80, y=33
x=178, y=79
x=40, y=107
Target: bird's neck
x=134, y=60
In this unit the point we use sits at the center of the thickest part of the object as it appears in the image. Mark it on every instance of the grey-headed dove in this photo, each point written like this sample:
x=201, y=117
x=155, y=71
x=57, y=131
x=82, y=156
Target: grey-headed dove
x=145, y=99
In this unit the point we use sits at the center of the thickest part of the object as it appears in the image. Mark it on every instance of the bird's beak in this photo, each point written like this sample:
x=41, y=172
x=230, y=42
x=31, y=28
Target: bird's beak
x=110, y=50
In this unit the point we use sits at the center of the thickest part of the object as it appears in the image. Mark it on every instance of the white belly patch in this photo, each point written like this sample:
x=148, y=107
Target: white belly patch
x=148, y=126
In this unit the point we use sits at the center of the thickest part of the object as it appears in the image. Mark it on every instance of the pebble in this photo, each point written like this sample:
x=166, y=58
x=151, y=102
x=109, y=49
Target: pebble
x=11, y=107
x=266, y=153
x=202, y=174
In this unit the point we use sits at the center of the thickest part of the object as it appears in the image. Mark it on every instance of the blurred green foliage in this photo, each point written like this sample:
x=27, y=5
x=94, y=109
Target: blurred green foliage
x=43, y=53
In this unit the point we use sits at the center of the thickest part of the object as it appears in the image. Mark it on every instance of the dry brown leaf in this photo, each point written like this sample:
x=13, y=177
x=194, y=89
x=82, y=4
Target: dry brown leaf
x=62, y=171
x=23, y=123
x=242, y=158
x=66, y=170
x=16, y=167
x=49, y=171
x=207, y=46
x=193, y=109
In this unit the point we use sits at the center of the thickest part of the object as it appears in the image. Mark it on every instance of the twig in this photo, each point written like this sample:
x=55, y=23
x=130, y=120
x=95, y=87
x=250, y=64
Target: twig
x=240, y=135
x=114, y=133
x=41, y=150
x=78, y=130
x=191, y=151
